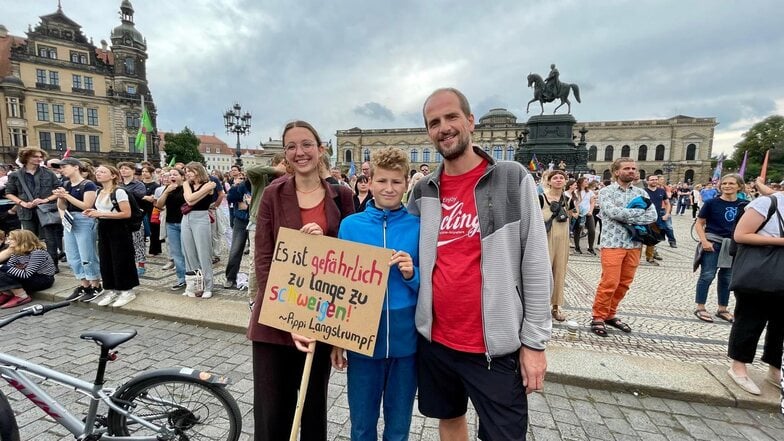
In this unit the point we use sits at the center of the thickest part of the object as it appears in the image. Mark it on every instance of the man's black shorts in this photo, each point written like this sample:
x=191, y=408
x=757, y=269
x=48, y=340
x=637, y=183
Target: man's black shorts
x=447, y=378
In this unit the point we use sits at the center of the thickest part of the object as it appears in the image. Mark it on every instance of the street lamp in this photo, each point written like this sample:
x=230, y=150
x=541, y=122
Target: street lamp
x=238, y=123
x=668, y=167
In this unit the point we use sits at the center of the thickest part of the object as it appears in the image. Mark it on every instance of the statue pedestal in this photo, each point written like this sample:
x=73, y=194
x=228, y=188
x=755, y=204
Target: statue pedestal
x=550, y=139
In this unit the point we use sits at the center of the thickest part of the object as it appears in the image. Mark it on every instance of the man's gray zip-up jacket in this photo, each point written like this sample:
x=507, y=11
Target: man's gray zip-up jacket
x=516, y=273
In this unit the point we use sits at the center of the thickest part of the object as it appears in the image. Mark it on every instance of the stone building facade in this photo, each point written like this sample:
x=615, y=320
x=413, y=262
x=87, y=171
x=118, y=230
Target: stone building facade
x=679, y=147
x=59, y=91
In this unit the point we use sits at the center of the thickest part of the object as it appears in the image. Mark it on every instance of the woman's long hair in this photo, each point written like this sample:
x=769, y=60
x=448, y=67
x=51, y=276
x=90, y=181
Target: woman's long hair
x=201, y=172
x=26, y=242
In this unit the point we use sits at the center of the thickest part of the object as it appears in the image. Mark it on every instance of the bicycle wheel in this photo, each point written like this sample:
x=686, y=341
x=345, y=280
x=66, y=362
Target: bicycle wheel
x=193, y=410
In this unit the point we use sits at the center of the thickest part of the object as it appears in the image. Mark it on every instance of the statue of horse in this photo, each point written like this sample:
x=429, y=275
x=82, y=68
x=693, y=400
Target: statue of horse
x=563, y=95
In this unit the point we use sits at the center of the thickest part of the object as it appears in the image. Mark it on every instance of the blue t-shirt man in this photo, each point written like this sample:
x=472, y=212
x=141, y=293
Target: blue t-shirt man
x=708, y=193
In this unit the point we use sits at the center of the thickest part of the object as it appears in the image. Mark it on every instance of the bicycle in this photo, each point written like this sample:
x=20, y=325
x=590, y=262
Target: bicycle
x=159, y=405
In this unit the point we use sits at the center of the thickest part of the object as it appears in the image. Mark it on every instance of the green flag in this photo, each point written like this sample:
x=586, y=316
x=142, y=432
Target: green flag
x=144, y=128
x=172, y=162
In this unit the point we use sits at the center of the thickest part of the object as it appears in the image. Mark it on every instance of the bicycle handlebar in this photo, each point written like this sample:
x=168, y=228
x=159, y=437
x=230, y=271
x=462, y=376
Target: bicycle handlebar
x=34, y=310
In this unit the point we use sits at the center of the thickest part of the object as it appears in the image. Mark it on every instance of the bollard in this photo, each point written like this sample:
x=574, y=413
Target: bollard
x=571, y=330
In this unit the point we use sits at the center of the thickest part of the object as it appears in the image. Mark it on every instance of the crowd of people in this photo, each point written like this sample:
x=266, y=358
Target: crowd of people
x=477, y=276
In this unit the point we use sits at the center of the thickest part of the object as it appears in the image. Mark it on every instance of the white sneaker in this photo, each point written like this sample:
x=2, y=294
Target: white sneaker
x=109, y=296
x=205, y=295
x=124, y=298
x=169, y=265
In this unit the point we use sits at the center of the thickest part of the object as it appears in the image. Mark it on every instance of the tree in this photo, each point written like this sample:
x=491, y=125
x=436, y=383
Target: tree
x=183, y=146
x=767, y=134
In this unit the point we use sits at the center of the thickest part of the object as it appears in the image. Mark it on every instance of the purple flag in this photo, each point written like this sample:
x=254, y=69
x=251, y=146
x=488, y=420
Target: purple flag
x=742, y=169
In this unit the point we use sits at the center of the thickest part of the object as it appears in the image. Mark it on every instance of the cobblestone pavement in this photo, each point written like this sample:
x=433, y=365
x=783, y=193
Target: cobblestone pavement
x=560, y=413
x=659, y=307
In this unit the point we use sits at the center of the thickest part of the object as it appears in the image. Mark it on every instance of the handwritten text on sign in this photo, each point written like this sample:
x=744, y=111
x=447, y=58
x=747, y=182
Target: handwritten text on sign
x=328, y=289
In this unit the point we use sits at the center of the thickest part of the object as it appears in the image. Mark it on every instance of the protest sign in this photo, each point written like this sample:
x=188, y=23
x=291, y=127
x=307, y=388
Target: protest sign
x=327, y=289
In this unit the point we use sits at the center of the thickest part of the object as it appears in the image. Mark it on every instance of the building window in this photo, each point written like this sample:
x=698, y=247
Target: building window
x=130, y=66
x=607, y=175
x=18, y=137
x=58, y=113
x=54, y=78
x=207, y=149
x=691, y=152
x=642, y=153
x=78, y=57
x=642, y=174
x=425, y=155
x=88, y=83
x=592, y=153
x=132, y=144
x=626, y=151
x=92, y=117
x=608, y=153
x=47, y=52
x=78, y=115
x=689, y=176
x=79, y=143
x=439, y=158
x=43, y=111
x=131, y=90
x=347, y=156
x=40, y=76
x=77, y=81
x=510, y=151
x=14, y=110
x=659, y=153
x=132, y=120
x=498, y=153
x=366, y=155
x=45, y=140
x=59, y=141
x=414, y=155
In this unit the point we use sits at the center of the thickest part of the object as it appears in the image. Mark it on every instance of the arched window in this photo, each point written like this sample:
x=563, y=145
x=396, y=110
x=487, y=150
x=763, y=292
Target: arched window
x=510, y=151
x=347, y=156
x=642, y=174
x=608, y=153
x=606, y=175
x=439, y=158
x=414, y=155
x=658, y=172
x=691, y=152
x=689, y=176
x=659, y=153
x=592, y=153
x=366, y=155
x=642, y=153
x=130, y=66
x=626, y=151
x=498, y=153
x=426, y=155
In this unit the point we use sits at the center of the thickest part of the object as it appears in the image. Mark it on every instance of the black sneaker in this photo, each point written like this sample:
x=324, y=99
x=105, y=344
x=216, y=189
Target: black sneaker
x=178, y=286
x=91, y=294
x=79, y=291
x=673, y=245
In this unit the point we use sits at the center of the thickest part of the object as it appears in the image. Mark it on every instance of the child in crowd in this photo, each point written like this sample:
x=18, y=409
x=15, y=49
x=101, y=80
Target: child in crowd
x=390, y=374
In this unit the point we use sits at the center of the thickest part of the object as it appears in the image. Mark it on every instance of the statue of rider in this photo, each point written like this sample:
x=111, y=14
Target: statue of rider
x=552, y=85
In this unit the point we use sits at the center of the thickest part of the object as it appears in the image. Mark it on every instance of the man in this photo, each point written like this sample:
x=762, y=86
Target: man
x=335, y=174
x=620, y=255
x=366, y=169
x=552, y=83
x=658, y=198
x=424, y=169
x=666, y=218
x=40, y=182
x=708, y=192
x=484, y=298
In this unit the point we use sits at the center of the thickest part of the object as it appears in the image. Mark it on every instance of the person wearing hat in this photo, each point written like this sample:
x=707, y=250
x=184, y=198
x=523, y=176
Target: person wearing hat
x=79, y=236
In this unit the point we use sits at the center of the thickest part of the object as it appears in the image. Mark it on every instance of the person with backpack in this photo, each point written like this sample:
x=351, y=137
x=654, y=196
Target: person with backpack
x=115, y=242
x=714, y=227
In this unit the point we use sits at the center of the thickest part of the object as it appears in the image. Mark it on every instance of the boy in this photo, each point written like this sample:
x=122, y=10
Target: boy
x=391, y=372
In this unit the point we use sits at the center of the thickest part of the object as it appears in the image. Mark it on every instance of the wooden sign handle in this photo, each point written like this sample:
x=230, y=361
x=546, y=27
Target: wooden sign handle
x=303, y=390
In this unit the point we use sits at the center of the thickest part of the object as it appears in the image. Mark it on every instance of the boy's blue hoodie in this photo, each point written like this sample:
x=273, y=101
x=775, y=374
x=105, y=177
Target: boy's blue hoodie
x=399, y=231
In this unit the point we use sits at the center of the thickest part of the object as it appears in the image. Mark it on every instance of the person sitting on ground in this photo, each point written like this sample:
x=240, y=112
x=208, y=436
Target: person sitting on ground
x=714, y=228
x=29, y=268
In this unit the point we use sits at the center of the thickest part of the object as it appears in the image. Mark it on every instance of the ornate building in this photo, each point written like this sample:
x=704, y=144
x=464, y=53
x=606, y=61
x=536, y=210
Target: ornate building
x=60, y=91
x=679, y=146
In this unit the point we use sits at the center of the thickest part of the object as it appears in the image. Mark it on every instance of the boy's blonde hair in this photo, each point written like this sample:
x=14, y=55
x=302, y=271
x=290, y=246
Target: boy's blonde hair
x=390, y=158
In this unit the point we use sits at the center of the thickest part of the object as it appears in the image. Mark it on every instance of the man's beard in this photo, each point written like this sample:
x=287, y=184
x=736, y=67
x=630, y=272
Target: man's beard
x=456, y=151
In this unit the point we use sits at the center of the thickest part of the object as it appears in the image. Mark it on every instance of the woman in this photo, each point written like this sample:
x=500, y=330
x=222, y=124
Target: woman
x=714, y=228
x=363, y=194
x=754, y=311
x=585, y=206
x=302, y=201
x=115, y=240
x=557, y=209
x=196, y=230
x=415, y=178
x=79, y=235
x=147, y=204
x=30, y=268
x=696, y=200
x=170, y=202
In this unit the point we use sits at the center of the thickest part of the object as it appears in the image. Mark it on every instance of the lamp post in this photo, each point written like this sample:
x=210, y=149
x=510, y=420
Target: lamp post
x=668, y=167
x=156, y=142
x=238, y=123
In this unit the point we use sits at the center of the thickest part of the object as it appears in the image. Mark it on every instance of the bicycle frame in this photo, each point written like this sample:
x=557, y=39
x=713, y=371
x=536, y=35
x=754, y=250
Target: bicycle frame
x=13, y=370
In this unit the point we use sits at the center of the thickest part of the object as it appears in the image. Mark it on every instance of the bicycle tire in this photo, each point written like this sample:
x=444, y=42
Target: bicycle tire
x=9, y=430
x=178, y=401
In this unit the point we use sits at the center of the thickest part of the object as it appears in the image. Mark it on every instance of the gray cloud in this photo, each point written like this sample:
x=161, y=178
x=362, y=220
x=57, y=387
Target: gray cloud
x=375, y=111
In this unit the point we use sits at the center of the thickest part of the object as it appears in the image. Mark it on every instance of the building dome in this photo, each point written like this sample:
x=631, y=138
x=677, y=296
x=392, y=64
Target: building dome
x=498, y=116
x=127, y=28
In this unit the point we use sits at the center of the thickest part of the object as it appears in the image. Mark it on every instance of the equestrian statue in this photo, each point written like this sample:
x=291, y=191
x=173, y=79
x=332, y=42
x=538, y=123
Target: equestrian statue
x=550, y=89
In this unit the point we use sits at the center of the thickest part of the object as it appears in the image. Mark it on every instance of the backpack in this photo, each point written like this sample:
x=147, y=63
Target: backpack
x=733, y=248
x=134, y=223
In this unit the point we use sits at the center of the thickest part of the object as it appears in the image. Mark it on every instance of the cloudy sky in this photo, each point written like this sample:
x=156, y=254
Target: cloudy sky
x=370, y=64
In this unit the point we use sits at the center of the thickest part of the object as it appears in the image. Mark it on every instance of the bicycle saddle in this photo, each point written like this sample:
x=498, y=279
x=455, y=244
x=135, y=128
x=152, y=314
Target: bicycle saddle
x=108, y=339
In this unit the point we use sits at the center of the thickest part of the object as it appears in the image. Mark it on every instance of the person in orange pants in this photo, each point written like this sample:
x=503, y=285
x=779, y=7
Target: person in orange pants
x=620, y=255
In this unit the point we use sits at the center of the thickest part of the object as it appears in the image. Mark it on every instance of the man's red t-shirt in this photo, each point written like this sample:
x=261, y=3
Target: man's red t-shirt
x=457, y=276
